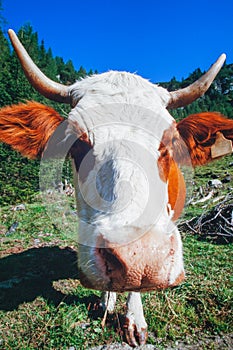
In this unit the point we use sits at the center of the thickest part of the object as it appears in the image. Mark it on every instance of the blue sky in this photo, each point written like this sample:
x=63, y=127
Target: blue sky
x=157, y=39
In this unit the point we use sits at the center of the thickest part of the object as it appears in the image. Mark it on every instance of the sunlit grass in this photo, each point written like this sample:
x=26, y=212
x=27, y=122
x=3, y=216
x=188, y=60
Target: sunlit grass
x=62, y=318
x=43, y=305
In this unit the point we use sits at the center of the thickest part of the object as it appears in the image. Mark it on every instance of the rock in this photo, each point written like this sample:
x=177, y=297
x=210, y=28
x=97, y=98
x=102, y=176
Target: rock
x=215, y=183
x=12, y=228
x=19, y=207
x=36, y=241
x=227, y=179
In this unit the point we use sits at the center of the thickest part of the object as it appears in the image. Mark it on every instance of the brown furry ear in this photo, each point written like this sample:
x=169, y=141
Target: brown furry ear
x=28, y=127
x=199, y=133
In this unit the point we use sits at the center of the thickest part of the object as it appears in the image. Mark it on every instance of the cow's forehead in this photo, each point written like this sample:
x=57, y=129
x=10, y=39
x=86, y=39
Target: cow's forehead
x=117, y=87
x=119, y=98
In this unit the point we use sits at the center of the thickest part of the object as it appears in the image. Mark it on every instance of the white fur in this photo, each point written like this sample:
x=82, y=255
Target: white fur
x=135, y=311
x=118, y=87
x=136, y=323
x=178, y=265
x=124, y=117
x=108, y=301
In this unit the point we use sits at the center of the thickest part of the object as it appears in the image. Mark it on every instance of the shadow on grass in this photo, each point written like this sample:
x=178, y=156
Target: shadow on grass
x=27, y=275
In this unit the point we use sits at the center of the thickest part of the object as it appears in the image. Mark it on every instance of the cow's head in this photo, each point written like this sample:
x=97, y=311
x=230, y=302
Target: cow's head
x=126, y=150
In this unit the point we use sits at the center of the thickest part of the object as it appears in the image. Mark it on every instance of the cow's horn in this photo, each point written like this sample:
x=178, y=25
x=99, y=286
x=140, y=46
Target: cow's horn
x=187, y=95
x=45, y=86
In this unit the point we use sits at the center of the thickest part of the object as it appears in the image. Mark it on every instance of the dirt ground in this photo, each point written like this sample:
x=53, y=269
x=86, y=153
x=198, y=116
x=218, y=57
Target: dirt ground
x=213, y=343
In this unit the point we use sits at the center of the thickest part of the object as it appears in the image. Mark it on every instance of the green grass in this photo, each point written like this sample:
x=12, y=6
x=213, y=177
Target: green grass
x=202, y=304
x=43, y=305
x=199, y=178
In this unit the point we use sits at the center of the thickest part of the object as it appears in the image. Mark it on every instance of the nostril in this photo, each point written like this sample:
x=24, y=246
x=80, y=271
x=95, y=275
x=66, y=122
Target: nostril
x=111, y=261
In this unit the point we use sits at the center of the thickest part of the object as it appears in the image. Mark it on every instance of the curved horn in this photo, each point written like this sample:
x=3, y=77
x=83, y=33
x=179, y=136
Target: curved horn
x=187, y=95
x=45, y=86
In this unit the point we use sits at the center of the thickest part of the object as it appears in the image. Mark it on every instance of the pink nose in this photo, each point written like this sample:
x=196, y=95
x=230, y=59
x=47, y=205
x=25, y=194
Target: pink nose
x=112, y=261
x=140, y=265
x=121, y=268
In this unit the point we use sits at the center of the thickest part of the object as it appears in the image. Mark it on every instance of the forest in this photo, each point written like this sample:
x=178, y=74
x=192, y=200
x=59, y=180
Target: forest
x=19, y=176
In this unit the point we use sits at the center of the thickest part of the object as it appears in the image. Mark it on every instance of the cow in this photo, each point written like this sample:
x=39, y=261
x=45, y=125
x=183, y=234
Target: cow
x=127, y=153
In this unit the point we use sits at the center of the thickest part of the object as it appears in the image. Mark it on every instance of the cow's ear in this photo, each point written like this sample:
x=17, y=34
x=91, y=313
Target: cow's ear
x=202, y=138
x=28, y=127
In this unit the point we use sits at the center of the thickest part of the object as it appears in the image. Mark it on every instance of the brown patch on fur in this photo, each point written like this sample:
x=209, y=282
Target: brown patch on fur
x=199, y=132
x=176, y=190
x=189, y=143
x=79, y=132
x=81, y=148
x=166, y=153
x=28, y=127
x=169, y=172
x=131, y=331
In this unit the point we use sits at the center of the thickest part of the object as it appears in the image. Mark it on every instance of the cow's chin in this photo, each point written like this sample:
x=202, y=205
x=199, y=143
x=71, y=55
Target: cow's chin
x=143, y=265
x=145, y=286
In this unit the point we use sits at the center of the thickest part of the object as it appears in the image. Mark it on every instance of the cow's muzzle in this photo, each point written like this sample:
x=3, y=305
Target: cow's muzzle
x=143, y=265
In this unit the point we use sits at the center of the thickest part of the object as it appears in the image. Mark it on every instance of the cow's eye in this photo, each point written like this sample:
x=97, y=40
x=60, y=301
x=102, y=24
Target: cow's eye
x=82, y=154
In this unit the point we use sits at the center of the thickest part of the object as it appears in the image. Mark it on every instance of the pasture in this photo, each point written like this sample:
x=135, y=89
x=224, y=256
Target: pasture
x=43, y=305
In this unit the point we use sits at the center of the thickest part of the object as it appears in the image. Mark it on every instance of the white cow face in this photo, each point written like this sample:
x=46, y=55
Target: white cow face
x=122, y=200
